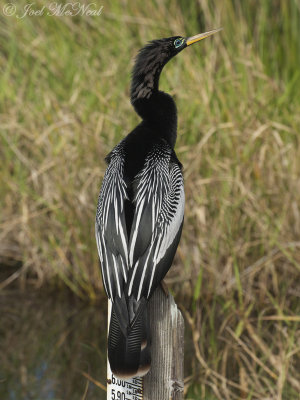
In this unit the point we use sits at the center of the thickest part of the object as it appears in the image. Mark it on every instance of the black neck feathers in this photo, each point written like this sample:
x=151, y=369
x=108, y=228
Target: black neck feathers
x=156, y=108
x=147, y=68
x=159, y=114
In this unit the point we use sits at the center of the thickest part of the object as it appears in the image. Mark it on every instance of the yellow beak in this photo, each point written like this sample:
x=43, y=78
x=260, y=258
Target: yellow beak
x=196, y=38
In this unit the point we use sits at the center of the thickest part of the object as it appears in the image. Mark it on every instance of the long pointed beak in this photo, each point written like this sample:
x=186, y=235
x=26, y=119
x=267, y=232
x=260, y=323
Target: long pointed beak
x=196, y=38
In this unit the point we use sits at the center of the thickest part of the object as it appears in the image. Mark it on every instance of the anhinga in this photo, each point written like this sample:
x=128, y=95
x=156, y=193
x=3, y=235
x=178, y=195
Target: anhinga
x=140, y=209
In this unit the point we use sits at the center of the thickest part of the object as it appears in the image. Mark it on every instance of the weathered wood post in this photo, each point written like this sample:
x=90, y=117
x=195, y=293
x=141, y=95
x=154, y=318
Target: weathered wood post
x=164, y=381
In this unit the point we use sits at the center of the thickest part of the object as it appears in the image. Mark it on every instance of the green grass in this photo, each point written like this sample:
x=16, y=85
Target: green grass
x=64, y=88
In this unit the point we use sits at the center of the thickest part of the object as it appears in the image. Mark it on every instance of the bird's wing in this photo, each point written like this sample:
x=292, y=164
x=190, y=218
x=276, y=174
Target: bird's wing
x=157, y=223
x=111, y=234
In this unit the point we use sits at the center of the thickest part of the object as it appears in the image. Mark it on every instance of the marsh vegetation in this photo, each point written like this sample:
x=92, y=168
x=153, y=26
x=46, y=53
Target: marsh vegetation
x=65, y=104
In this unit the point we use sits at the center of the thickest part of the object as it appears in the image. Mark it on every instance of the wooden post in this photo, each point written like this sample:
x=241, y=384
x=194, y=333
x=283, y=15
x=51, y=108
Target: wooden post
x=164, y=381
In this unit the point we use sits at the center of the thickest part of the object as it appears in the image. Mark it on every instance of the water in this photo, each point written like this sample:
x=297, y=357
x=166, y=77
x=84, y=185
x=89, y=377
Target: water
x=47, y=343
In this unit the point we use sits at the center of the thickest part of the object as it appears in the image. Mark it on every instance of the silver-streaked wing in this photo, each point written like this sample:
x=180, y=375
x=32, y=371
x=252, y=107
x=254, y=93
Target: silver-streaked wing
x=157, y=223
x=110, y=226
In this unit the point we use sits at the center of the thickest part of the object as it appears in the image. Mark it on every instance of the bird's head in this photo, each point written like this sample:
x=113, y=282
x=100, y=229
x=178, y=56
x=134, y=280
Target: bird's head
x=153, y=57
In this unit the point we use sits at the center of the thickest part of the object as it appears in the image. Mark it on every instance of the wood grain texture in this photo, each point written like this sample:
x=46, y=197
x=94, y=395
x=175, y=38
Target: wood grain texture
x=165, y=378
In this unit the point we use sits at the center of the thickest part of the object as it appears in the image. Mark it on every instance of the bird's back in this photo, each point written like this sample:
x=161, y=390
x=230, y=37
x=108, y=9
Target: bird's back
x=138, y=227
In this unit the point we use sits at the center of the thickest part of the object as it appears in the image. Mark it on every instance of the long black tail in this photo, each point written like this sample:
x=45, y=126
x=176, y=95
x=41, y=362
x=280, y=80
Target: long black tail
x=129, y=339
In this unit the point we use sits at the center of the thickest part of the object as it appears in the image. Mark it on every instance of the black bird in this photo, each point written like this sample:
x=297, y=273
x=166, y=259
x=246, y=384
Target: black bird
x=140, y=209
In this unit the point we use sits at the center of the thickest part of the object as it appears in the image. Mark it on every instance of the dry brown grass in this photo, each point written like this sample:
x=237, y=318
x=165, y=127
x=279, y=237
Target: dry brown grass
x=236, y=275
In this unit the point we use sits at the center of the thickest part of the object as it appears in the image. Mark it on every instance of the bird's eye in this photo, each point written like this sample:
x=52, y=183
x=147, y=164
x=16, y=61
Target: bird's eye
x=178, y=42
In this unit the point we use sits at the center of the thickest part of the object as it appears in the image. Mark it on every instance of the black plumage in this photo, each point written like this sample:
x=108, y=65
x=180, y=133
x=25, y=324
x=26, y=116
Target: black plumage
x=140, y=210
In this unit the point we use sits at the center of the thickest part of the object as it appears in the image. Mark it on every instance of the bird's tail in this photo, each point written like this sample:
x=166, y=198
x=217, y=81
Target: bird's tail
x=129, y=342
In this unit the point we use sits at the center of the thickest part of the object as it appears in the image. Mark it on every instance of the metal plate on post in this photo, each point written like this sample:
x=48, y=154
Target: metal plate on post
x=118, y=389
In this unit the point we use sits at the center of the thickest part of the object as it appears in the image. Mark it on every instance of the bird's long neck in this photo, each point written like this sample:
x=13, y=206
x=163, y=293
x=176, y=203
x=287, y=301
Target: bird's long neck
x=156, y=108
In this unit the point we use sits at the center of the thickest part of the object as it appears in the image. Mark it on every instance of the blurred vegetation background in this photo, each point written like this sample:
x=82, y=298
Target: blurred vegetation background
x=64, y=90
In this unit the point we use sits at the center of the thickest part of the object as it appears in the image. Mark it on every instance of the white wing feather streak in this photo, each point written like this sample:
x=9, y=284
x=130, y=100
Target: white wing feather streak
x=111, y=235
x=151, y=189
x=134, y=230
x=159, y=196
x=168, y=228
x=174, y=201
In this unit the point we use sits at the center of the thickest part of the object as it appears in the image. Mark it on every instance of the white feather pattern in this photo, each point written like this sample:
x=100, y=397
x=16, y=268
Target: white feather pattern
x=132, y=265
x=160, y=189
x=110, y=220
